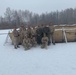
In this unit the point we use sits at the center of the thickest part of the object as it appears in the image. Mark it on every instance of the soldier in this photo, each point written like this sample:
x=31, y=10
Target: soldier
x=47, y=31
x=52, y=34
x=29, y=32
x=27, y=43
x=39, y=35
x=44, y=41
x=33, y=41
x=22, y=33
x=16, y=38
x=33, y=31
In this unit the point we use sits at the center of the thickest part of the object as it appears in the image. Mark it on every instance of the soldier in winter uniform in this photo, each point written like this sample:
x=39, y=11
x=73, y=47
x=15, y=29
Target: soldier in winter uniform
x=16, y=38
x=27, y=43
x=22, y=33
x=44, y=41
x=33, y=31
x=33, y=41
x=29, y=32
x=39, y=33
x=47, y=31
x=52, y=34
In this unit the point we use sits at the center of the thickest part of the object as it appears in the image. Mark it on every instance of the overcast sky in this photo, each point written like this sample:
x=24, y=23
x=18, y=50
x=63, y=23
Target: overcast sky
x=38, y=6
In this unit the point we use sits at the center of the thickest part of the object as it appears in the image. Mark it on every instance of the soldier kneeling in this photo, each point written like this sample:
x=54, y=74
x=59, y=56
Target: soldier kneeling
x=33, y=41
x=44, y=41
x=26, y=43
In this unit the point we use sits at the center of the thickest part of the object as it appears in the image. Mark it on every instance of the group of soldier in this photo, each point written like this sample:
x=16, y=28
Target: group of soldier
x=32, y=36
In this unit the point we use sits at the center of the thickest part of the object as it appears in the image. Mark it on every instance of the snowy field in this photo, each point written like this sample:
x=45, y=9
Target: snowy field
x=59, y=59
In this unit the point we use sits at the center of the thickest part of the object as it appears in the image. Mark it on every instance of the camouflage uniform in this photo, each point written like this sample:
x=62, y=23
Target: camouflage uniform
x=26, y=43
x=33, y=32
x=51, y=34
x=44, y=42
x=21, y=32
x=29, y=32
x=47, y=31
x=33, y=42
x=16, y=38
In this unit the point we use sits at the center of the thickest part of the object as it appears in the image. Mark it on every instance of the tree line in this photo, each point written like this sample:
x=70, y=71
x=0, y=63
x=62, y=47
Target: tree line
x=18, y=17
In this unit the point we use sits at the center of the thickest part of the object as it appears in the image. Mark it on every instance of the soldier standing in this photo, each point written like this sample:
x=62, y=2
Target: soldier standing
x=16, y=38
x=39, y=33
x=33, y=31
x=52, y=34
x=29, y=32
x=22, y=33
x=47, y=31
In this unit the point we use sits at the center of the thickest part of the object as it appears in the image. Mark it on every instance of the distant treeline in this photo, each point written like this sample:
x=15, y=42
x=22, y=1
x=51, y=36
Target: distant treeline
x=19, y=17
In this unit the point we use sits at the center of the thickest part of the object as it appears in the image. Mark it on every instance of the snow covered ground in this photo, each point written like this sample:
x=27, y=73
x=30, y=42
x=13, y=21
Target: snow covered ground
x=59, y=59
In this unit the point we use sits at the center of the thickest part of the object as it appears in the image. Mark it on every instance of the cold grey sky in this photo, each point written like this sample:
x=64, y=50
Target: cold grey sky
x=37, y=6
